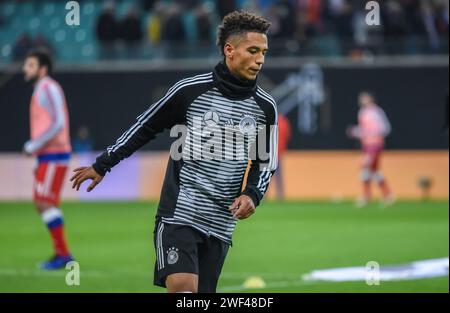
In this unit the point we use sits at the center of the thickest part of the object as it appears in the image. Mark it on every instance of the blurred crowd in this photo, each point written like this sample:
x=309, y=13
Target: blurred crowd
x=325, y=27
x=26, y=42
x=299, y=27
x=167, y=24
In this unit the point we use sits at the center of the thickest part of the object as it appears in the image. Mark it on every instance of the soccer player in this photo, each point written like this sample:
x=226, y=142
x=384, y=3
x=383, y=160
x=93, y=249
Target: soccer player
x=50, y=144
x=202, y=198
x=373, y=127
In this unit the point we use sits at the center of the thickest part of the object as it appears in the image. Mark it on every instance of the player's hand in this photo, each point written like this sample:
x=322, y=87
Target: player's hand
x=28, y=148
x=242, y=207
x=352, y=132
x=25, y=153
x=84, y=173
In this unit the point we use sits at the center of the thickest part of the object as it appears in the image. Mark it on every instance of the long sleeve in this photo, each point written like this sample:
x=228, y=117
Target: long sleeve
x=261, y=170
x=163, y=114
x=372, y=122
x=53, y=100
x=386, y=125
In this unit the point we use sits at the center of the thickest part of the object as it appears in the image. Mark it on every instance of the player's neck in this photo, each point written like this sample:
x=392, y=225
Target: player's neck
x=231, y=85
x=40, y=79
x=229, y=68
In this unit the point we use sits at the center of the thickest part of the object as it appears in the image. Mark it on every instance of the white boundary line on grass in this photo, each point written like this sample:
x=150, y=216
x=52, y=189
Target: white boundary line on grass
x=97, y=273
x=232, y=288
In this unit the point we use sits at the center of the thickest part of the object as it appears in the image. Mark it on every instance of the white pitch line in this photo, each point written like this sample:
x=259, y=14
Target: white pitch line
x=99, y=273
x=58, y=273
x=269, y=285
x=236, y=275
x=236, y=288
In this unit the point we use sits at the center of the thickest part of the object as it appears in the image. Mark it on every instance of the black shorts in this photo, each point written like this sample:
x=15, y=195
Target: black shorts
x=183, y=249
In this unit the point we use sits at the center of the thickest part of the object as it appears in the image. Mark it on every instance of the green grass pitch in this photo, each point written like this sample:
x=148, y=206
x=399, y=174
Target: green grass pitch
x=113, y=243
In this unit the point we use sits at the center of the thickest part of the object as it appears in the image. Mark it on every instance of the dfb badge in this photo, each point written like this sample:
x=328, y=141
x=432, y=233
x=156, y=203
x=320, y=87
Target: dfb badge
x=247, y=125
x=172, y=255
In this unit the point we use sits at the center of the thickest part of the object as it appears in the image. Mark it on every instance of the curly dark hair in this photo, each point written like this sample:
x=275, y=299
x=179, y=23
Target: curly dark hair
x=237, y=23
x=43, y=56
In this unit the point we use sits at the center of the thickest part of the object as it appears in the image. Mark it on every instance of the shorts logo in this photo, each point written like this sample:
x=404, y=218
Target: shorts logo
x=172, y=255
x=247, y=125
x=211, y=118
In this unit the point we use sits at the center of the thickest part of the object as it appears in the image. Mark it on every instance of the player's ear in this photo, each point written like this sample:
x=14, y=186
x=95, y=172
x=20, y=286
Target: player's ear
x=228, y=50
x=43, y=71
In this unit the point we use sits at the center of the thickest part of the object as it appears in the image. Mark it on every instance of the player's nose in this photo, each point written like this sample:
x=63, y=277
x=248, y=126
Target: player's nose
x=259, y=60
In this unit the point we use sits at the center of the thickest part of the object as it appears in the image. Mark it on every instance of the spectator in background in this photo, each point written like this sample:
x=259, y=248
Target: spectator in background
x=343, y=21
x=394, y=24
x=107, y=31
x=131, y=32
x=155, y=23
x=82, y=142
x=173, y=28
x=310, y=11
x=273, y=17
x=287, y=19
x=148, y=5
x=367, y=39
x=251, y=6
x=414, y=26
x=21, y=47
x=225, y=6
x=202, y=18
x=442, y=10
x=285, y=26
x=41, y=42
x=429, y=21
x=411, y=9
x=188, y=4
x=265, y=4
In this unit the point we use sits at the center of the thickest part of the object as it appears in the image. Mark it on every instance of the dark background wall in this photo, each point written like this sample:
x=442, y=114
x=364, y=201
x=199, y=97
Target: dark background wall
x=414, y=99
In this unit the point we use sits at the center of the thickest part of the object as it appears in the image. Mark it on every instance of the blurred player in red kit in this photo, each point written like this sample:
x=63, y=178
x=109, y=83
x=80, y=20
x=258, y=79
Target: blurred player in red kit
x=373, y=126
x=284, y=136
x=50, y=144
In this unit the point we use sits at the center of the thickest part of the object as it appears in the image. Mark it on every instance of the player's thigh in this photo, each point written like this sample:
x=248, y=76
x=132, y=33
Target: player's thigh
x=367, y=160
x=176, y=252
x=48, y=182
x=376, y=160
x=212, y=256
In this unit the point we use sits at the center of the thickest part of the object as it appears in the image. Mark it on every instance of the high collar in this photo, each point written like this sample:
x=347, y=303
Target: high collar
x=231, y=86
x=40, y=82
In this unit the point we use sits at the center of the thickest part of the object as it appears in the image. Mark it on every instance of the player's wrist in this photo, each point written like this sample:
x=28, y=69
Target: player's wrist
x=98, y=169
x=252, y=195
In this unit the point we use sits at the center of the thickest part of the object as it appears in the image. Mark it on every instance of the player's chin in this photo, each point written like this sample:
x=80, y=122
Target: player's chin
x=251, y=77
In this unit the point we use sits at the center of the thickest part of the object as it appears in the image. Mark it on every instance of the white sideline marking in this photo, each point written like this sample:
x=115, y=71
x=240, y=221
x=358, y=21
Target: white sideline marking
x=269, y=285
x=408, y=271
x=94, y=273
x=99, y=273
x=282, y=280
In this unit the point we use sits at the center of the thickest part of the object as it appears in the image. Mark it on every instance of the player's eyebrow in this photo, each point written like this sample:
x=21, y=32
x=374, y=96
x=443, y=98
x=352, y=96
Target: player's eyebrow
x=254, y=49
x=258, y=48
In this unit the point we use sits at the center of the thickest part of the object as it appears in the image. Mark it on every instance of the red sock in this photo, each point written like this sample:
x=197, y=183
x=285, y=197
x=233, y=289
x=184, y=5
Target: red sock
x=366, y=190
x=384, y=188
x=53, y=218
x=59, y=242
